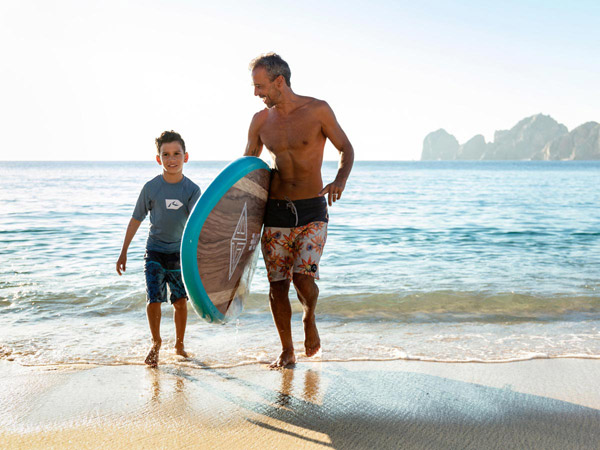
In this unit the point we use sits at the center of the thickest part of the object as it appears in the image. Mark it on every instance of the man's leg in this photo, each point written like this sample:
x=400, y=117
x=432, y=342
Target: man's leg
x=282, y=316
x=153, y=313
x=308, y=293
x=180, y=319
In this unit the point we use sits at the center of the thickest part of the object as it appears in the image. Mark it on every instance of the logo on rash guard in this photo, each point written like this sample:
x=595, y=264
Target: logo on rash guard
x=173, y=203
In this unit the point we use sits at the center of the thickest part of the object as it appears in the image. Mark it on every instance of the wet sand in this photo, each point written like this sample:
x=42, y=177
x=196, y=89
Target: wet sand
x=396, y=404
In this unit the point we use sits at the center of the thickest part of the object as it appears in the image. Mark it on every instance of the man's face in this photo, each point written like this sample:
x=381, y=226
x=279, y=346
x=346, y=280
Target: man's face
x=172, y=157
x=264, y=88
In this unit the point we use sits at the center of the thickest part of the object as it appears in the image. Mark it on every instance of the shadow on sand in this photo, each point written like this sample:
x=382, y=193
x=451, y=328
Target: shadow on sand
x=396, y=409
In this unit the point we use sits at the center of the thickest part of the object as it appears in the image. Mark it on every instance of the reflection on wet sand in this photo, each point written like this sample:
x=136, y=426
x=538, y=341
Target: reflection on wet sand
x=286, y=392
x=312, y=380
x=283, y=396
x=538, y=404
x=166, y=385
x=353, y=406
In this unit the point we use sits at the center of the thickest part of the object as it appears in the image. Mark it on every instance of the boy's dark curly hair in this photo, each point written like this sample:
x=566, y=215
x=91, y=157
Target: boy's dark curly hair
x=169, y=136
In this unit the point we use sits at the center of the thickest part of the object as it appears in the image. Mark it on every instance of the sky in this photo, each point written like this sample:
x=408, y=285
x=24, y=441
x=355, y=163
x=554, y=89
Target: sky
x=101, y=80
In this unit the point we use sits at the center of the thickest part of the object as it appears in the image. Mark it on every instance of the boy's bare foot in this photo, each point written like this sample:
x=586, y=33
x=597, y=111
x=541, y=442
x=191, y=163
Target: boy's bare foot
x=152, y=358
x=312, y=342
x=180, y=351
x=286, y=358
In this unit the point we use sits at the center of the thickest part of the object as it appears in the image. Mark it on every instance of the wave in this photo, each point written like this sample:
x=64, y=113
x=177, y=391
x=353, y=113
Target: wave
x=436, y=306
x=197, y=364
x=450, y=306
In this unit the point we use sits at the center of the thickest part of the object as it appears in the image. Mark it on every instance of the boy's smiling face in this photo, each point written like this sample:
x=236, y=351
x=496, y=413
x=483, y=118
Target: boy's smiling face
x=172, y=157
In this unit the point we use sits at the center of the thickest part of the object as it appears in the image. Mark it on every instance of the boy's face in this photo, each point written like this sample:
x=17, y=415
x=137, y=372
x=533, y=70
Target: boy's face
x=172, y=157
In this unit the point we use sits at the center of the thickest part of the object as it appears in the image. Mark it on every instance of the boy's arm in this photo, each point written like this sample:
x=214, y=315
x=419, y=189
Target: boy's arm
x=194, y=198
x=129, y=234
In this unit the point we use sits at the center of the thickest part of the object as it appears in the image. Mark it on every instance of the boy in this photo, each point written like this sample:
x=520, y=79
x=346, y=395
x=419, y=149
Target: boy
x=170, y=198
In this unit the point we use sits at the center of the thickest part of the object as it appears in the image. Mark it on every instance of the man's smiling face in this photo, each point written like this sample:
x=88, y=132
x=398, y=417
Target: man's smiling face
x=265, y=88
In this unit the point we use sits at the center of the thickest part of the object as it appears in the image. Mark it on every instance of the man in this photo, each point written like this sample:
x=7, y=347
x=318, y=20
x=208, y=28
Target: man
x=294, y=129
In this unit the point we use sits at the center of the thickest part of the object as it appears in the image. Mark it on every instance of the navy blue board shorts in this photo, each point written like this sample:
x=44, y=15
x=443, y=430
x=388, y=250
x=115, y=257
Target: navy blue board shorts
x=162, y=269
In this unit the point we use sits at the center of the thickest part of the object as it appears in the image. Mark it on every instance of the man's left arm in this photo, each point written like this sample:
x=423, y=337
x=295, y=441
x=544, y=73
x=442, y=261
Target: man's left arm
x=333, y=131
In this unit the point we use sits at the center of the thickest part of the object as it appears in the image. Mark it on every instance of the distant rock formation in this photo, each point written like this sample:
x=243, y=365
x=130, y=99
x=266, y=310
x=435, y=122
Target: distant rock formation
x=525, y=139
x=439, y=145
x=537, y=137
x=472, y=149
x=582, y=143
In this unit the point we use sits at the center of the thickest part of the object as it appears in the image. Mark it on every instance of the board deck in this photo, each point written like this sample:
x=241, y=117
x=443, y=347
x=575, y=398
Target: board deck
x=221, y=239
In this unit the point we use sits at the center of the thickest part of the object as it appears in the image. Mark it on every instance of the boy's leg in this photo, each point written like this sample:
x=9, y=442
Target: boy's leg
x=156, y=292
x=153, y=313
x=178, y=300
x=180, y=319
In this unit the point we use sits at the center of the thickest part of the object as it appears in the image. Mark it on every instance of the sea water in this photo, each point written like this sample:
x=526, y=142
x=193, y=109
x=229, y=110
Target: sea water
x=440, y=261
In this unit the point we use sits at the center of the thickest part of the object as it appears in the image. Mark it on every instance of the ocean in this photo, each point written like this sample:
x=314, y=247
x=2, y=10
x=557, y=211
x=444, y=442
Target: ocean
x=435, y=261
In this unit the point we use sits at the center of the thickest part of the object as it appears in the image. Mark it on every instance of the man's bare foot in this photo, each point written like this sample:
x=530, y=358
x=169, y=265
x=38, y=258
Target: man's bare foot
x=152, y=358
x=312, y=342
x=180, y=351
x=286, y=358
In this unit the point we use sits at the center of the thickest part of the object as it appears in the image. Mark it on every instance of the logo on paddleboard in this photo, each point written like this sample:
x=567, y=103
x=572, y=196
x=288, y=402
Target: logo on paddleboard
x=173, y=203
x=238, y=241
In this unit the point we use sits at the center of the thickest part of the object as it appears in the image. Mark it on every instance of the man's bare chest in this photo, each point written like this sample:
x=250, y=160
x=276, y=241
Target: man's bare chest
x=292, y=132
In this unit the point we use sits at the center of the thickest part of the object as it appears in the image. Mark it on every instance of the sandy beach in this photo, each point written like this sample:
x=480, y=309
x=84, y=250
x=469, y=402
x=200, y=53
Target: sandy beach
x=393, y=404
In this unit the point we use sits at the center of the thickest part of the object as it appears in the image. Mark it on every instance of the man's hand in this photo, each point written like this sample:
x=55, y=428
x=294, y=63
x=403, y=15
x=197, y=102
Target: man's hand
x=334, y=191
x=121, y=263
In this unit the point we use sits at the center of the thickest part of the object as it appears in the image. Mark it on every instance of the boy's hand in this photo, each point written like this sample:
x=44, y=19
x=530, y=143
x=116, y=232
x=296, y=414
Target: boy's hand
x=129, y=234
x=121, y=263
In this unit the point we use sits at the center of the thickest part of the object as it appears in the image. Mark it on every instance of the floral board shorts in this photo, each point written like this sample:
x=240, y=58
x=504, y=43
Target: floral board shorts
x=294, y=237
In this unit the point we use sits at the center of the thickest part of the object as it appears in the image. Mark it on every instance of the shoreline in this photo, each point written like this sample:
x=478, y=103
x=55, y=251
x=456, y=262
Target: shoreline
x=194, y=363
x=541, y=403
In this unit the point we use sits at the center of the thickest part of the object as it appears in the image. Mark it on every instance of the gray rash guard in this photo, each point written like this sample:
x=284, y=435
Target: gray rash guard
x=170, y=205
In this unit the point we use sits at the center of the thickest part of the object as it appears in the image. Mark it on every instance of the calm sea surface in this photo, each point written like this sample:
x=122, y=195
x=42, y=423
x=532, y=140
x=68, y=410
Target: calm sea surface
x=444, y=261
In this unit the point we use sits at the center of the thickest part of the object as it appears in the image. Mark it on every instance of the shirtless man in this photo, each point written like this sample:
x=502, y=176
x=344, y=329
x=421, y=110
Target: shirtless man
x=294, y=129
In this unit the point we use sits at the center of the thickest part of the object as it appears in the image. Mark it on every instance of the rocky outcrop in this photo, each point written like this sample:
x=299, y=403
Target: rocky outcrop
x=582, y=143
x=537, y=137
x=525, y=139
x=473, y=149
x=439, y=145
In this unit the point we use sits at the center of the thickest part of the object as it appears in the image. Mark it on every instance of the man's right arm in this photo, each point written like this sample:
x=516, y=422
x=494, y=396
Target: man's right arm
x=255, y=145
x=129, y=234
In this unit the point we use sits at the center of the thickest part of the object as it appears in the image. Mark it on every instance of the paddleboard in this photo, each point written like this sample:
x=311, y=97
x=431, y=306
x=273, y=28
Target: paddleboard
x=220, y=242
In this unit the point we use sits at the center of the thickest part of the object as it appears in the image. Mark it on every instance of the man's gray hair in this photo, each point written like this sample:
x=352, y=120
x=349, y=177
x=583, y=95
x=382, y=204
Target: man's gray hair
x=274, y=65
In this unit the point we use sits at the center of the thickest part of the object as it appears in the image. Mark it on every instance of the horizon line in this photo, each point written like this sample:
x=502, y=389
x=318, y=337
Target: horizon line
x=326, y=160
x=196, y=160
